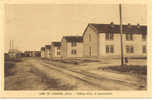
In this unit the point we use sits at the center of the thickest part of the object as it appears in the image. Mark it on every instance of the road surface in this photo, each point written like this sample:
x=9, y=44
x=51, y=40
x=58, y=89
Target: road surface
x=38, y=74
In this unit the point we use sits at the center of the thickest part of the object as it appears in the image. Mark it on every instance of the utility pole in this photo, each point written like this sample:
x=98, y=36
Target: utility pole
x=10, y=44
x=121, y=35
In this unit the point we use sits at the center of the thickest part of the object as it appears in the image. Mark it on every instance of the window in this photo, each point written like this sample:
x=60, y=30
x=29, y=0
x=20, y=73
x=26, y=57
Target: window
x=73, y=44
x=109, y=36
x=89, y=37
x=144, y=49
x=129, y=49
x=109, y=49
x=129, y=36
x=89, y=51
x=74, y=52
x=58, y=48
x=143, y=37
x=58, y=53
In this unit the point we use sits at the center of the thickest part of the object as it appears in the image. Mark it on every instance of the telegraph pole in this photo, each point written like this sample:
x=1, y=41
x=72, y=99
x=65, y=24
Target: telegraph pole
x=10, y=44
x=121, y=37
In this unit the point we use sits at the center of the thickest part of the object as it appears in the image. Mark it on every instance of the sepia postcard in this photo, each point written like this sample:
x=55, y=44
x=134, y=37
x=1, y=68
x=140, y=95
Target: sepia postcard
x=76, y=49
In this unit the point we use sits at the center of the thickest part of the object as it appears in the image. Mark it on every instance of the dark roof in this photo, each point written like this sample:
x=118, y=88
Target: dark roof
x=48, y=46
x=37, y=51
x=56, y=43
x=42, y=48
x=104, y=28
x=73, y=38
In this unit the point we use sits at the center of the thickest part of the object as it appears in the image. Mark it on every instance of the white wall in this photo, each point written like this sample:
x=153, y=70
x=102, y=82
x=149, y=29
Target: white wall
x=93, y=43
x=137, y=43
x=63, y=48
x=78, y=48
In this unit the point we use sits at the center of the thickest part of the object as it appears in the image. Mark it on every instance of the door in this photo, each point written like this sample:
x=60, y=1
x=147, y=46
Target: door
x=89, y=51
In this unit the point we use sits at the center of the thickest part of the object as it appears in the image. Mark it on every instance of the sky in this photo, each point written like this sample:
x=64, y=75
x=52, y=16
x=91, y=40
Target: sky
x=33, y=26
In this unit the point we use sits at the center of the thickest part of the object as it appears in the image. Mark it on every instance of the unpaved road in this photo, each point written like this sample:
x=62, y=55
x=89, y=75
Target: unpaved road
x=37, y=74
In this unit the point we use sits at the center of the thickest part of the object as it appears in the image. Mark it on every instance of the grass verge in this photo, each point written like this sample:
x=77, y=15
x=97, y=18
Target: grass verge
x=135, y=69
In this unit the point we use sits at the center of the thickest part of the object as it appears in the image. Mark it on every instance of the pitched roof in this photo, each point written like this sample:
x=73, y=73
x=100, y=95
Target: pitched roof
x=73, y=38
x=104, y=28
x=56, y=43
x=14, y=51
x=48, y=46
x=42, y=48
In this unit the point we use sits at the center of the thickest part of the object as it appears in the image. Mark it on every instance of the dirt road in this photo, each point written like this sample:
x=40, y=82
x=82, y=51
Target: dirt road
x=37, y=74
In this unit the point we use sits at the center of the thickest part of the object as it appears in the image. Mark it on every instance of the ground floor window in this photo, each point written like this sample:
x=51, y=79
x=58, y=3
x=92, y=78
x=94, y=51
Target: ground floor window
x=129, y=49
x=144, y=49
x=109, y=49
x=58, y=53
x=74, y=52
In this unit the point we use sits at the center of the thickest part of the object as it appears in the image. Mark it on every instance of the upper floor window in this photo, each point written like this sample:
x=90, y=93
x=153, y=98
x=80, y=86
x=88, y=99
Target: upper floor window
x=73, y=44
x=129, y=49
x=109, y=49
x=109, y=36
x=143, y=37
x=74, y=52
x=144, y=49
x=129, y=36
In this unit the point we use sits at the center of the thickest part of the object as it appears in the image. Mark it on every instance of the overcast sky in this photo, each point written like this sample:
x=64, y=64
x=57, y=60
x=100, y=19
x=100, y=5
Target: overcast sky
x=33, y=26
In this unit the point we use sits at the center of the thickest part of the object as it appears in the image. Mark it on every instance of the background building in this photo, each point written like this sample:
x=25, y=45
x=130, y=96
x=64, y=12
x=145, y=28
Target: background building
x=72, y=46
x=47, y=51
x=55, y=49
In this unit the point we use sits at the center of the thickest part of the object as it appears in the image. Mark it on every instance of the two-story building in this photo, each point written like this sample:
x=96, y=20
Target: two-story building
x=47, y=51
x=36, y=53
x=42, y=52
x=103, y=40
x=72, y=47
x=55, y=49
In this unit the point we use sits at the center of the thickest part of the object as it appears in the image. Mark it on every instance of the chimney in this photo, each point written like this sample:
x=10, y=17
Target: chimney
x=112, y=24
x=138, y=26
x=129, y=25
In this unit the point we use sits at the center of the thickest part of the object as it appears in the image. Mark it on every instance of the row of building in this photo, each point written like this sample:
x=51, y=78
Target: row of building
x=100, y=40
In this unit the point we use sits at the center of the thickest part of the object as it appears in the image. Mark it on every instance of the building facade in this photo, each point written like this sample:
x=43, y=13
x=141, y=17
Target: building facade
x=103, y=40
x=42, y=52
x=47, y=51
x=36, y=53
x=55, y=49
x=72, y=46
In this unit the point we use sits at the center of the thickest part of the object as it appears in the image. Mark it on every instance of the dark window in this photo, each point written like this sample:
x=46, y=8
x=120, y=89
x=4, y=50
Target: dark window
x=74, y=52
x=73, y=44
x=109, y=49
x=58, y=48
x=129, y=36
x=144, y=49
x=129, y=49
x=143, y=37
x=132, y=49
x=89, y=51
x=109, y=36
x=58, y=53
